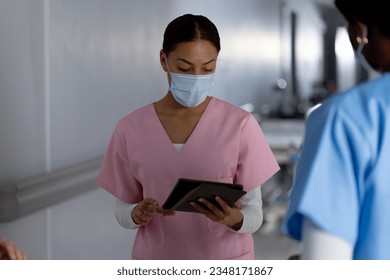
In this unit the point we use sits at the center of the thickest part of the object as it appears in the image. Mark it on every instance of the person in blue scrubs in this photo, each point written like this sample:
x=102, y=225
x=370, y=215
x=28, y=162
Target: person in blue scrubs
x=340, y=200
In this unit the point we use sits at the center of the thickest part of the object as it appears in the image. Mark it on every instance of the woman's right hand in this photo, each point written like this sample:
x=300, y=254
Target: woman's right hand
x=144, y=211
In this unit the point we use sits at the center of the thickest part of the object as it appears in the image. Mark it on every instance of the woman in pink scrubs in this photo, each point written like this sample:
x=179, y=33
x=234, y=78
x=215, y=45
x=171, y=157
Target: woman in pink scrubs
x=188, y=134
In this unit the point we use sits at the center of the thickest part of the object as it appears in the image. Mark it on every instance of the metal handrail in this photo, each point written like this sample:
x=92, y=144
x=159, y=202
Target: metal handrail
x=31, y=195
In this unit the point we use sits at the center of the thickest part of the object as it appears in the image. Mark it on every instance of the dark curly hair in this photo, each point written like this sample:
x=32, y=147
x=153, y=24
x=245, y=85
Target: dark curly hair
x=370, y=12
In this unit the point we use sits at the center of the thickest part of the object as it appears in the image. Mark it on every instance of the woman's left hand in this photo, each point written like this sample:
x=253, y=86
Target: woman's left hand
x=227, y=215
x=8, y=251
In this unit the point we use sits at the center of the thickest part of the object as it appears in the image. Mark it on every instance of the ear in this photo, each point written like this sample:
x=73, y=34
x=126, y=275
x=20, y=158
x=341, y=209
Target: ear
x=357, y=32
x=163, y=60
x=358, y=28
x=362, y=30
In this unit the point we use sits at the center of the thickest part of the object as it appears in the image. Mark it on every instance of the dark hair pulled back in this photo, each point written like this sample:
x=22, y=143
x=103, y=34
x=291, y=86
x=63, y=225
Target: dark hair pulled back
x=188, y=28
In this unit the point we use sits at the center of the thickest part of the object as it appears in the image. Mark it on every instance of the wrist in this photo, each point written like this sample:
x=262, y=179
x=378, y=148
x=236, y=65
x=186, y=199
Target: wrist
x=132, y=217
x=238, y=224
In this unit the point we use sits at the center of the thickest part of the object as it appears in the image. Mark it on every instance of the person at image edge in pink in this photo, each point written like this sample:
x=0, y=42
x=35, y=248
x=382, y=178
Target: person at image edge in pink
x=188, y=134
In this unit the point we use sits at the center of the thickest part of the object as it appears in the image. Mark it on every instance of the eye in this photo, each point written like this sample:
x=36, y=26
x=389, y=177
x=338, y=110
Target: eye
x=184, y=69
x=208, y=70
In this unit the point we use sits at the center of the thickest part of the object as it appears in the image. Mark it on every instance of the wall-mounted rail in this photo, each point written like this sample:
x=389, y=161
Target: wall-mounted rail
x=23, y=198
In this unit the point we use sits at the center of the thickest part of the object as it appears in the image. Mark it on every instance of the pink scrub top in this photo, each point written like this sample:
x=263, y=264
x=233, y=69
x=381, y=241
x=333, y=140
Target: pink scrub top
x=227, y=145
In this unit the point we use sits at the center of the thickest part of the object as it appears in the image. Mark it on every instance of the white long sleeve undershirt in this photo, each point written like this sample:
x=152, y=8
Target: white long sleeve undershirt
x=251, y=208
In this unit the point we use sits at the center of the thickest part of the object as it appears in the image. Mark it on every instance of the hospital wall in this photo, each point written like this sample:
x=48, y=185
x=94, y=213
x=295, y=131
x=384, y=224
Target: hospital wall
x=70, y=69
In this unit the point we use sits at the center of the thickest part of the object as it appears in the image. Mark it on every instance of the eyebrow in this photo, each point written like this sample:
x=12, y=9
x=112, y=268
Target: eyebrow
x=186, y=61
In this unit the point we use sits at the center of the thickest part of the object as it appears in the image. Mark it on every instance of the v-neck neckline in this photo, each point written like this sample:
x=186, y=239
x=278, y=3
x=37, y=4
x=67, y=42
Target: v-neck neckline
x=192, y=134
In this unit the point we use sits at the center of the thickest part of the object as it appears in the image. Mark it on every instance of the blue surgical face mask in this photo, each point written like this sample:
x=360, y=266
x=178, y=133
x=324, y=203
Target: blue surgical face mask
x=359, y=50
x=190, y=90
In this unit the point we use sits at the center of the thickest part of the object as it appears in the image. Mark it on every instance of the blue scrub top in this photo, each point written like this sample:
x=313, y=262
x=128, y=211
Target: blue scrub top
x=342, y=181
